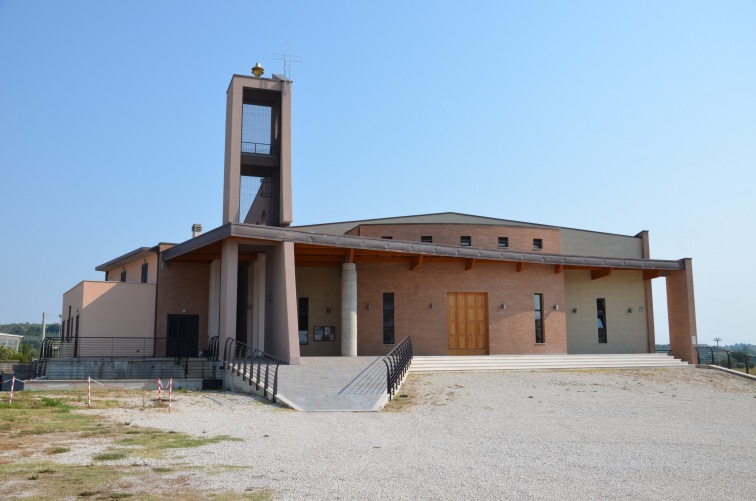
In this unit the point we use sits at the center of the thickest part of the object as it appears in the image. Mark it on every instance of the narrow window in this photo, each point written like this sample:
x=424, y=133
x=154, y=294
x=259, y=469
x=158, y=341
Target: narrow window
x=107, y=277
x=538, y=306
x=387, y=238
x=601, y=319
x=503, y=242
x=303, y=319
x=388, y=318
x=465, y=241
x=123, y=275
x=426, y=239
x=144, y=273
x=537, y=244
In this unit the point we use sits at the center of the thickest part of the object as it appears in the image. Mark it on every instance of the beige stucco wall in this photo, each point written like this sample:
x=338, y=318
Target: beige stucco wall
x=134, y=270
x=590, y=243
x=111, y=309
x=323, y=288
x=622, y=290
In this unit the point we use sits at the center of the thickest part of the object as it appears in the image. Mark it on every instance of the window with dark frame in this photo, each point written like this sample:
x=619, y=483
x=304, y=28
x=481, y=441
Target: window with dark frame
x=426, y=239
x=465, y=241
x=388, y=318
x=303, y=320
x=537, y=244
x=123, y=275
x=144, y=273
x=503, y=242
x=387, y=238
x=538, y=307
x=601, y=319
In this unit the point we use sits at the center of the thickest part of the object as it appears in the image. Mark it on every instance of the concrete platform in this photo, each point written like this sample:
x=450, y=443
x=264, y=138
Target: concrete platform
x=355, y=384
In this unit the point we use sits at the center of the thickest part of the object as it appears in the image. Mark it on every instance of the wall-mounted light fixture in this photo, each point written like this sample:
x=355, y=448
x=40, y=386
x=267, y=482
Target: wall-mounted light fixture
x=640, y=309
x=574, y=310
x=629, y=310
x=183, y=311
x=433, y=306
x=556, y=306
x=370, y=306
x=328, y=309
x=503, y=306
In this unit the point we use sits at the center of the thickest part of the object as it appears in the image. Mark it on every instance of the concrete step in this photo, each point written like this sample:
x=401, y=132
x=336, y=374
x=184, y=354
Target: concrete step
x=541, y=362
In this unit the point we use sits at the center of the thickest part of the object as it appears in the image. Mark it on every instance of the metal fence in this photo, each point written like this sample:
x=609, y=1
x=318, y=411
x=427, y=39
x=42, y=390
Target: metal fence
x=397, y=364
x=255, y=366
x=736, y=360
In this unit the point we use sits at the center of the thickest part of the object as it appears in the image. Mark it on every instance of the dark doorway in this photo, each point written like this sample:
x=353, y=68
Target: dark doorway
x=183, y=336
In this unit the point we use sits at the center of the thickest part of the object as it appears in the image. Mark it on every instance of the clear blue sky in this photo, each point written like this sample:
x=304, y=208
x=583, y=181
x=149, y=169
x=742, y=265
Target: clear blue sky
x=608, y=116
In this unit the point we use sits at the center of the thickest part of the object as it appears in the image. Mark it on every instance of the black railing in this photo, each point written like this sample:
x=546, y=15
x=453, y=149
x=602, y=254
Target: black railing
x=256, y=148
x=255, y=366
x=397, y=364
x=212, y=348
x=737, y=360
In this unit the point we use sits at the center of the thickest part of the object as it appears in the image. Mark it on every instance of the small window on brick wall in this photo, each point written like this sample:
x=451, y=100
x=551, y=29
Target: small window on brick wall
x=426, y=239
x=387, y=238
x=465, y=241
x=537, y=244
x=503, y=242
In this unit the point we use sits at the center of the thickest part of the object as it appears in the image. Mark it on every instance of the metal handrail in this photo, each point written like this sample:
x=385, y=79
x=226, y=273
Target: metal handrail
x=256, y=148
x=245, y=360
x=713, y=355
x=212, y=348
x=397, y=363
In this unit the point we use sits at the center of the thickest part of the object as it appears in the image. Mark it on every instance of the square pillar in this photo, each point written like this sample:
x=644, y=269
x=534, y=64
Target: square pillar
x=349, y=310
x=681, y=309
x=228, y=284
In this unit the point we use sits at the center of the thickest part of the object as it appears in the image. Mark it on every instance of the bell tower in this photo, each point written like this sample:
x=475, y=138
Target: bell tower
x=257, y=174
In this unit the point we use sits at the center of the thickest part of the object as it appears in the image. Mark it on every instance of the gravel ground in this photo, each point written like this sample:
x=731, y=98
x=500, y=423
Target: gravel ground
x=611, y=434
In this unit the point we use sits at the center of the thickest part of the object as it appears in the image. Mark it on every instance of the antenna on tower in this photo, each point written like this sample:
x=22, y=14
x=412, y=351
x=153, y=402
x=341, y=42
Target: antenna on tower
x=288, y=58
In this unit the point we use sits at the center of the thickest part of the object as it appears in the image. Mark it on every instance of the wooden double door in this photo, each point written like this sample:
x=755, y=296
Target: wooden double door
x=468, y=323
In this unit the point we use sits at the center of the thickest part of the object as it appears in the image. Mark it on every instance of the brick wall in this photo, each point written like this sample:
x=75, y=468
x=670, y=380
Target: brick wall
x=183, y=286
x=681, y=309
x=511, y=330
x=483, y=236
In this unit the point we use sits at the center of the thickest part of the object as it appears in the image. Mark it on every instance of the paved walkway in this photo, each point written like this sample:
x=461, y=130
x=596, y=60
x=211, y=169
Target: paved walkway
x=334, y=384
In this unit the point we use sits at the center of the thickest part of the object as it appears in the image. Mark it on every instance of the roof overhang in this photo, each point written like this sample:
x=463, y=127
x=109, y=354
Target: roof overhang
x=317, y=249
x=139, y=253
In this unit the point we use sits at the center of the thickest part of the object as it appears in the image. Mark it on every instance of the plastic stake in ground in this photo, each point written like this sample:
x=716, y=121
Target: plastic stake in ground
x=89, y=391
x=159, y=385
x=170, y=393
x=13, y=383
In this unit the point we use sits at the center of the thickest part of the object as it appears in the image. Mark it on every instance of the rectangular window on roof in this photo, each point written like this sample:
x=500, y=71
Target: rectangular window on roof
x=426, y=240
x=465, y=241
x=537, y=244
x=503, y=242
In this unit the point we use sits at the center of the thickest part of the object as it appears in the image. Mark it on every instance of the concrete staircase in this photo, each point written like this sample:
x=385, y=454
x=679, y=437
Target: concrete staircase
x=542, y=362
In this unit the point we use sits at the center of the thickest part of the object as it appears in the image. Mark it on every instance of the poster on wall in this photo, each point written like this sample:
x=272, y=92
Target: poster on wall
x=303, y=337
x=324, y=333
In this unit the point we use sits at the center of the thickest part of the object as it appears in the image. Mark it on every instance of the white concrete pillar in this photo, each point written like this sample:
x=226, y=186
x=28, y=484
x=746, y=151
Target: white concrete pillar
x=213, y=307
x=258, y=303
x=349, y=310
x=228, y=284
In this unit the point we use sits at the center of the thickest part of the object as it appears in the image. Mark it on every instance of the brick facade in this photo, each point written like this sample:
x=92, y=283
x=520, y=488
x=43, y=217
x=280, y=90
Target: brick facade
x=183, y=286
x=483, y=236
x=511, y=329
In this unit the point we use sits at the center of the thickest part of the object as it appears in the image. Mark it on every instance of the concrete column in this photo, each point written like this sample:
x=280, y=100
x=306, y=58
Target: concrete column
x=228, y=281
x=213, y=306
x=349, y=310
x=643, y=235
x=681, y=308
x=258, y=303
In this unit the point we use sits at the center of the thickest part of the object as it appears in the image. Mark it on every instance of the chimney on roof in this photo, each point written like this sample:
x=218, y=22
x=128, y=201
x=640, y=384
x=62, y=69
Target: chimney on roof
x=196, y=230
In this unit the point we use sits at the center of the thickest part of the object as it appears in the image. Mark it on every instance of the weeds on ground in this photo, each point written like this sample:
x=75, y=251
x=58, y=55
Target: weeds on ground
x=43, y=425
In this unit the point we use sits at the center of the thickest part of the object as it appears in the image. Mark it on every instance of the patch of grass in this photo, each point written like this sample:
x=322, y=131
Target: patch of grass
x=162, y=469
x=110, y=456
x=58, y=450
x=153, y=442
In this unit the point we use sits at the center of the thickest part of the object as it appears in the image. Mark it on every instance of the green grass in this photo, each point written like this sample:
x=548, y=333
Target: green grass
x=36, y=427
